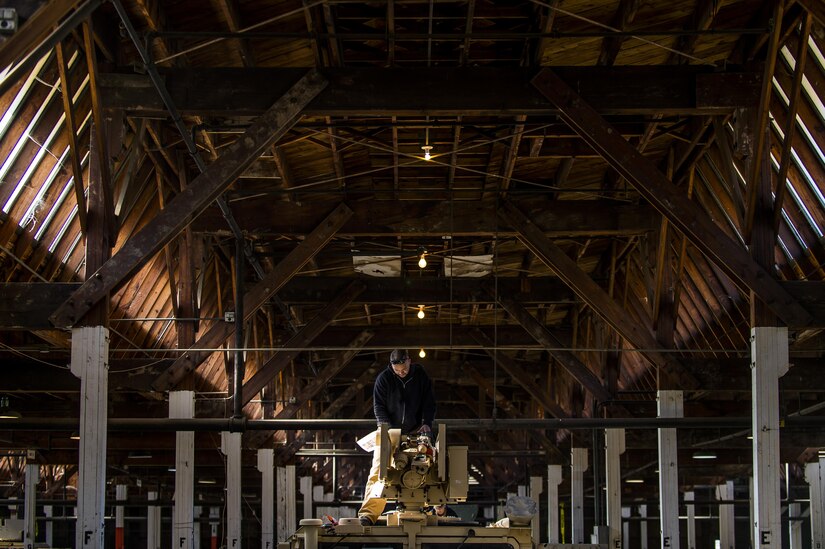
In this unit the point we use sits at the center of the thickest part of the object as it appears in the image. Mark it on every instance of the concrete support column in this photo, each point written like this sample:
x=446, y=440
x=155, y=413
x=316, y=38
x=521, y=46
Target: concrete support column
x=816, y=486
x=727, y=529
x=553, y=481
x=794, y=526
x=266, y=465
x=182, y=406
x=626, y=525
x=614, y=445
x=48, y=512
x=691, y=519
x=643, y=527
x=120, y=533
x=152, y=522
x=670, y=405
x=578, y=465
x=769, y=362
x=197, y=527
x=231, y=448
x=285, y=502
x=90, y=362
x=536, y=488
x=30, y=500
x=305, y=486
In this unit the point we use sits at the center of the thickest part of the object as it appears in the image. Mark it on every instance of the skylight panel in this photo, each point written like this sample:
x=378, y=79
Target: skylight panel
x=11, y=112
x=37, y=202
x=789, y=186
x=63, y=230
x=67, y=188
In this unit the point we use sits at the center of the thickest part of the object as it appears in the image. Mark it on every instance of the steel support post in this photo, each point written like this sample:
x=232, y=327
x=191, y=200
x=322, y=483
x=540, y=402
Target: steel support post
x=266, y=465
x=614, y=445
x=727, y=529
x=690, y=497
x=214, y=521
x=48, y=512
x=198, y=512
x=285, y=502
x=578, y=465
x=553, y=481
x=121, y=491
x=90, y=362
x=30, y=500
x=816, y=487
x=670, y=405
x=182, y=406
x=769, y=362
x=231, y=448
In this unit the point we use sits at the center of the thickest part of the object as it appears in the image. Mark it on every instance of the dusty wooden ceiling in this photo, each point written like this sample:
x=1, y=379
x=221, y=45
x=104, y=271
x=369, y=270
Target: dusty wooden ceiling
x=593, y=214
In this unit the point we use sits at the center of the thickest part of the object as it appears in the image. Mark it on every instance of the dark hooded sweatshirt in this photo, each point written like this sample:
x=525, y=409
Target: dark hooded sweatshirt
x=404, y=403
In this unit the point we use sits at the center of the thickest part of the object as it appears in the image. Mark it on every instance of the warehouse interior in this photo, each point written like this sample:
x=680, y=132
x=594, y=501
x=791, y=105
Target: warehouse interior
x=597, y=224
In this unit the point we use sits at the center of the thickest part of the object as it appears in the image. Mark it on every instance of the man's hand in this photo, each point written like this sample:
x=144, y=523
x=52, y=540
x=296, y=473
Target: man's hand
x=425, y=430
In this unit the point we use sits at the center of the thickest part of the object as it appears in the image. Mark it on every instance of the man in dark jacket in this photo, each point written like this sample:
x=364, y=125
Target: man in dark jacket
x=403, y=398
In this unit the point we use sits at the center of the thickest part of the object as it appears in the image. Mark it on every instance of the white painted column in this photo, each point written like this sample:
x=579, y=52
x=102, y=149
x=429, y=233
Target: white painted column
x=536, y=486
x=266, y=465
x=670, y=406
x=795, y=526
x=553, y=481
x=643, y=526
x=182, y=406
x=197, y=527
x=614, y=445
x=727, y=529
x=769, y=362
x=285, y=502
x=813, y=475
x=152, y=522
x=691, y=519
x=120, y=532
x=90, y=362
x=48, y=512
x=578, y=465
x=305, y=485
x=231, y=448
x=30, y=499
x=626, y=525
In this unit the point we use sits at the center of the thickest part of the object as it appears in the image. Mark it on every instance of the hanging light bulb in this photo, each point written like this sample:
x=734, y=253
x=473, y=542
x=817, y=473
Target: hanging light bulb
x=421, y=353
x=427, y=149
x=423, y=261
x=421, y=311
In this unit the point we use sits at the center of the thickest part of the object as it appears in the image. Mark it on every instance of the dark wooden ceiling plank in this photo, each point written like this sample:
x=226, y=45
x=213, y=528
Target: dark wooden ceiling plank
x=35, y=30
x=300, y=340
x=611, y=44
x=596, y=298
x=686, y=216
x=521, y=377
x=462, y=91
x=438, y=218
x=555, y=347
x=256, y=297
x=202, y=191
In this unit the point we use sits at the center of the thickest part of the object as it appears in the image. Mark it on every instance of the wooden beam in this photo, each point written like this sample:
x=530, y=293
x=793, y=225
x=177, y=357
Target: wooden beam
x=815, y=8
x=34, y=30
x=189, y=203
x=300, y=340
x=464, y=91
x=593, y=294
x=438, y=218
x=556, y=348
x=687, y=216
x=520, y=376
x=256, y=297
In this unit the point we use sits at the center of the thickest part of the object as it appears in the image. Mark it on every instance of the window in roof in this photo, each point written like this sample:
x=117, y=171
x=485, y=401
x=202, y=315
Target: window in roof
x=11, y=112
x=816, y=102
x=789, y=185
x=67, y=189
x=62, y=231
x=43, y=147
